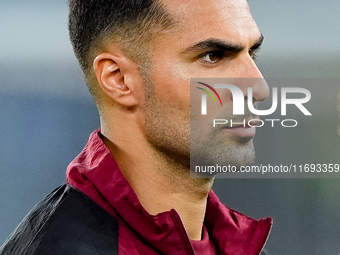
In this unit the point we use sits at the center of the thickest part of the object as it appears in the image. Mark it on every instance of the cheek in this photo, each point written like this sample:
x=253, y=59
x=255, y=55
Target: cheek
x=172, y=85
x=167, y=122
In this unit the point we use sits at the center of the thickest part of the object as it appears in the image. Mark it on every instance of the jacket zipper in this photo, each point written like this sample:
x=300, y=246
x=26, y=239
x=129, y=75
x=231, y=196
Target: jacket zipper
x=182, y=233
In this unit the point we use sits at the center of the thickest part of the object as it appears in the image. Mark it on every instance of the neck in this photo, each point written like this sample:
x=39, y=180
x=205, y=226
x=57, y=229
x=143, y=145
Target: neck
x=160, y=183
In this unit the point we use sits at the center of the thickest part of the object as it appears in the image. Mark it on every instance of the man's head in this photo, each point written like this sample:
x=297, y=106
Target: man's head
x=138, y=58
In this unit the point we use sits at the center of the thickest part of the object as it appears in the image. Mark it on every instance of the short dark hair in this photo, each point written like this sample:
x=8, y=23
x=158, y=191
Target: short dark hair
x=128, y=23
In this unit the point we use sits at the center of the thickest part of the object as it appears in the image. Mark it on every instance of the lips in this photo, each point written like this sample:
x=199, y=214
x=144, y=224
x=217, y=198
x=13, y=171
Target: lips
x=242, y=131
x=244, y=128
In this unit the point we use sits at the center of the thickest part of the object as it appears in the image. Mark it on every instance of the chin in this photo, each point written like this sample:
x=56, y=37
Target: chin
x=223, y=154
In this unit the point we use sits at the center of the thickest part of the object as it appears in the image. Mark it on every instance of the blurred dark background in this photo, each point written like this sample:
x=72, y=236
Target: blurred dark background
x=46, y=115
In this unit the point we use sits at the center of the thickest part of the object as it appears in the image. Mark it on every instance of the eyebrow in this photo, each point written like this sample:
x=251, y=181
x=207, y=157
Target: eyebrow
x=218, y=44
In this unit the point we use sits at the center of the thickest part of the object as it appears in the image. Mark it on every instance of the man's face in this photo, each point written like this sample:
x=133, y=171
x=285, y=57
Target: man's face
x=213, y=39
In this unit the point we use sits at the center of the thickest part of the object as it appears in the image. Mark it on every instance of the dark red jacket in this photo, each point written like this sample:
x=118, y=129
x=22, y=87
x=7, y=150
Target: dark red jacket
x=124, y=227
x=96, y=173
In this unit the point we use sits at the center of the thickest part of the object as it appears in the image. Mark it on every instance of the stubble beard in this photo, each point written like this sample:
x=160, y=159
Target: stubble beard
x=216, y=147
x=173, y=140
x=167, y=131
x=212, y=153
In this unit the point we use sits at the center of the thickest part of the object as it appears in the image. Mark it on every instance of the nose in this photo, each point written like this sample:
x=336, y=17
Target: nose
x=250, y=76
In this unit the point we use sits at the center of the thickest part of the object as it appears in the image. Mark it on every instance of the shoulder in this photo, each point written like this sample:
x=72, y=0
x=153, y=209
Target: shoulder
x=65, y=222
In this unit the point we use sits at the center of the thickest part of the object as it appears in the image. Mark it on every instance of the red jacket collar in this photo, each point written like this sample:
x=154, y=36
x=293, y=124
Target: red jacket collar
x=96, y=173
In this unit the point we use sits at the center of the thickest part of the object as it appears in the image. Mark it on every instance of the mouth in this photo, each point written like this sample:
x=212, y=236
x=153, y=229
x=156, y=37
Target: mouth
x=245, y=128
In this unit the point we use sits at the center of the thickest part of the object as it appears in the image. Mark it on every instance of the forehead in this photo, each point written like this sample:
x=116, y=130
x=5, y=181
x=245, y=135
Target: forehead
x=225, y=19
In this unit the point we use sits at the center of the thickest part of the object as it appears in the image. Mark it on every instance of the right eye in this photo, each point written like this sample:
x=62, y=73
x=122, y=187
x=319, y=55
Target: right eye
x=212, y=57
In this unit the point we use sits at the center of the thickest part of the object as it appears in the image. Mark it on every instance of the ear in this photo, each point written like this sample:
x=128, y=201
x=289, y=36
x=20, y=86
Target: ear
x=113, y=75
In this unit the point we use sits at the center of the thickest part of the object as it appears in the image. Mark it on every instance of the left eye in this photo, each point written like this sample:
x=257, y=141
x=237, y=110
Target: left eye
x=212, y=57
x=253, y=53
